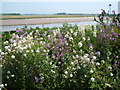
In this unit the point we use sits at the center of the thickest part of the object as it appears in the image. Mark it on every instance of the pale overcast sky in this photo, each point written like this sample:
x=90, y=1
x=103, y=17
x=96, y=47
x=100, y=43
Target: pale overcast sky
x=60, y=0
x=56, y=6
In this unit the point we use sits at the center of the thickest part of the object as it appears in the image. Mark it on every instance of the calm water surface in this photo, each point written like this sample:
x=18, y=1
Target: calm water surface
x=8, y=28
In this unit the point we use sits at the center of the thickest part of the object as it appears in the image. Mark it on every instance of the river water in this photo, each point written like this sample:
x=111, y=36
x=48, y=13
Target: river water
x=9, y=28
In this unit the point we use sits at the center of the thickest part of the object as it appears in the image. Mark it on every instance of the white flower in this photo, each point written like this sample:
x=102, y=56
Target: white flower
x=84, y=65
x=92, y=79
x=80, y=44
x=74, y=51
x=5, y=84
x=7, y=77
x=87, y=59
x=50, y=63
x=71, y=30
x=31, y=33
x=98, y=53
x=91, y=71
x=66, y=35
x=36, y=30
x=88, y=39
x=84, y=38
x=92, y=62
x=53, y=56
x=25, y=55
x=97, y=63
x=49, y=36
x=82, y=58
x=103, y=61
x=78, y=67
x=94, y=34
x=41, y=42
x=27, y=51
x=41, y=38
x=75, y=34
x=110, y=67
x=6, y=42
x=1, y=66
x=73, y=68
x=9, y=50
x=44, y=50
x=13, y=50
x=2, y=53
x=2, y=85
x=72, y=63
x=12, y=75
x=17, y=36
x=111, y=74
x=81, y=51
x=32, y=51
x=6, y=47
x=87, y=55
x=13, y=35
x=37, y=51
x=6, y=53
x=74, y=57
x=76, y=61
x=47, y=56
x=13, y=57
x=66, y=72
x=65, y=76
x=77, y=56
x=14, y=41
x=14, y=44
x=52, y=71
x=71, y=75
x=70, y=38
x=11, y=40
x=8, y=72
x=66, y=43
x=91, y=54
x=94, y=57
x=85, y=75
x=91, y=48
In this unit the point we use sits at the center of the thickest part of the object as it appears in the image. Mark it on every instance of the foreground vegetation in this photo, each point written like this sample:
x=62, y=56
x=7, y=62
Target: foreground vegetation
x=70, y=57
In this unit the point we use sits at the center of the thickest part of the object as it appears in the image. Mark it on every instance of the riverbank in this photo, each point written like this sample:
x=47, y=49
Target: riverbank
x=36, y=21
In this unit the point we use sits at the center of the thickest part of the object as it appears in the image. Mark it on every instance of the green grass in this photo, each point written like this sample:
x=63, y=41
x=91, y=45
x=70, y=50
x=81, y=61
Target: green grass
x=0, y=32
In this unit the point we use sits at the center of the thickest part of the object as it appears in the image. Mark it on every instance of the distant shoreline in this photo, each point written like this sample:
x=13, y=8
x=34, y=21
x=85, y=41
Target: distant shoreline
x=36, y=21
x=8, y=17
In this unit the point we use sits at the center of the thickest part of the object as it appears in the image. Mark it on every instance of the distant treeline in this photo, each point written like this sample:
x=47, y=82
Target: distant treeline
x=5, y=14
x=73, y=14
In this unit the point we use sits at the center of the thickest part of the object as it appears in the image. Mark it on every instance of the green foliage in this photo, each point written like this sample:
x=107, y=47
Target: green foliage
x=70, y=57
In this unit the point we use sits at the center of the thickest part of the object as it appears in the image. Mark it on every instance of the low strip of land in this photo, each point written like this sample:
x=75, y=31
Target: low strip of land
x=41, y=16
x=36, y=21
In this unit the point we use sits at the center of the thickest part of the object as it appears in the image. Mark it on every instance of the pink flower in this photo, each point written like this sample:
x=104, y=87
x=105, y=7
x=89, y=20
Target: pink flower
x=28, y=29
x=0, y=35
x=117, y=57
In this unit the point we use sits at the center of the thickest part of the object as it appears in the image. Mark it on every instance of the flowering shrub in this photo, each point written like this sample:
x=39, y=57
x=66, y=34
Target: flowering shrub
x=70, y=57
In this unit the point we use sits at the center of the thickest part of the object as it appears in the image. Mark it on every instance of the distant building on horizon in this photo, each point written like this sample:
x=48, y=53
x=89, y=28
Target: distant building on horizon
x=119, y=7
